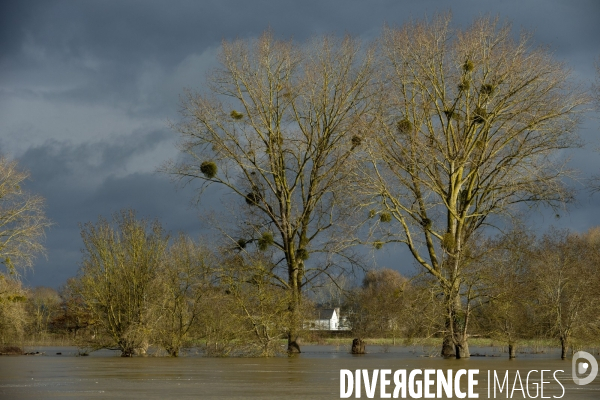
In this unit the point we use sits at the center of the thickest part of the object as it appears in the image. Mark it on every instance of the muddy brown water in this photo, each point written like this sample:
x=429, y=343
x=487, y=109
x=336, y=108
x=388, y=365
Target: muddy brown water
x=314, y=374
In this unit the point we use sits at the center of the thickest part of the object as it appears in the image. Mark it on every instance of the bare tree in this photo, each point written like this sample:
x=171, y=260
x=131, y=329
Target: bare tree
x=379, y=304
x=470, y=127
x=119, y=278
x=185, y=281
x=43, y=305
x=389, y=305
x=74, y=316
x=22, y=219
x=564, y=275
x=591, y=238
x=507, y=314
x=13, y=314
x=278, y=126
x=220, y=332
x=257, y=308
x=22, y=226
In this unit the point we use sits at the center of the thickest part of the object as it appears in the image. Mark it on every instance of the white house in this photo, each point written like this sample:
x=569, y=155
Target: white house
x=327, y=319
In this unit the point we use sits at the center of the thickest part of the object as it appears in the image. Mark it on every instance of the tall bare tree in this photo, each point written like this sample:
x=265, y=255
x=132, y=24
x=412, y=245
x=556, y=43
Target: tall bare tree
x=278, y=126
x=470, y=127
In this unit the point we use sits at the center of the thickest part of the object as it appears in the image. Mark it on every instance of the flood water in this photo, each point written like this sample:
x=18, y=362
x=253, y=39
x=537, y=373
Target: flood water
x=314, y=374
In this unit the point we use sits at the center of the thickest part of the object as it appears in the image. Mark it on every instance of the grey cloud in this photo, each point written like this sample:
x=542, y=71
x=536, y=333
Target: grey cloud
x=60, y=160
x=108, y=45
x=57, y=173
x=150, y=195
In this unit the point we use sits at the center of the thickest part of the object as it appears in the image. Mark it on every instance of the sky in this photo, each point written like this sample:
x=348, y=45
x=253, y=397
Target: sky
x=88, y=90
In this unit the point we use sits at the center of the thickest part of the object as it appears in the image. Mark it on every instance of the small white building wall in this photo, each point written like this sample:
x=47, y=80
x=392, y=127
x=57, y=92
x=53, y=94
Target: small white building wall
x=332, y=324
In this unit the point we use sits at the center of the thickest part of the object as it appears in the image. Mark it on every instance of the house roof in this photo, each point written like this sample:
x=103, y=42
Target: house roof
x=326, y=313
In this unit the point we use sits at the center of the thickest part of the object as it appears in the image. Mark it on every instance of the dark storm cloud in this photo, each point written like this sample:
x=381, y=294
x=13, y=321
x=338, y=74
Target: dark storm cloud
x=83, y=182
x=150, y=195
x=110, y=41
x=108, y=44
x=86, y=88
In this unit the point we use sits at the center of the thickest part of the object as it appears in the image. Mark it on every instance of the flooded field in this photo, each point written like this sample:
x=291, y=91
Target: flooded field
x=314, y=374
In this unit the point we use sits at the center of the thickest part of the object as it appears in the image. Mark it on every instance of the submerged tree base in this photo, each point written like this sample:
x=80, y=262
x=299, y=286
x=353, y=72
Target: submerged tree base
x=512, y=351
x=293, y=348
x=455, y=350
x=448, y=349
x=462, y=350
x=358, y=346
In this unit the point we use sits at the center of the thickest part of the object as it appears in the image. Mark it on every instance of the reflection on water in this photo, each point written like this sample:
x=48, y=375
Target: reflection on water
x=314, y=374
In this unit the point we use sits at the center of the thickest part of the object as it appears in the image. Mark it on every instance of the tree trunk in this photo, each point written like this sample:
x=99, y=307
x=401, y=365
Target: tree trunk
x=462, y=347
x=455, y=342
x=126, y=348
x=127, y=352
x=448, y=346
x=358, y=346
x=293, y=346
x=448, y=350
x=173, y=351
x=294, y=309
x=564, y=344
x=512, y=351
